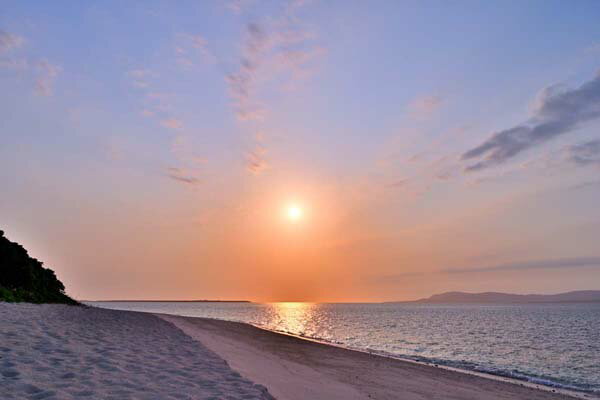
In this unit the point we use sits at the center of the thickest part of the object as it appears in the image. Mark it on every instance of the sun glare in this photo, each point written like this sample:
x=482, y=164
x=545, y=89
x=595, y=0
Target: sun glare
x=294, y=212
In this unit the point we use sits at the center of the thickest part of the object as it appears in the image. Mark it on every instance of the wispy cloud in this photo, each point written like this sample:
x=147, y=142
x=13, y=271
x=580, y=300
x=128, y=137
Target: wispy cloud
x=273, y=51
x=557, y=112
x=9, y=41
x=575, y=262
x=423, y=107
x=45, y=72
x=147, y=113
x=561, y=263
x=47, y=75
x=172, y=123
x=156, y=103
x=256, y=162
x=182, y=176
x=398, y=183
x=585, y=185
x=238, y=6
x=241, y=82
x=140, y=77
x=191, y=49
x=587, y=153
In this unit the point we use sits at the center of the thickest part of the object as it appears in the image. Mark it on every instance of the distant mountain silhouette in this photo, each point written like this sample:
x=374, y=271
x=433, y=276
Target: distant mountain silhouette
x=495, y=297
x=23, y=278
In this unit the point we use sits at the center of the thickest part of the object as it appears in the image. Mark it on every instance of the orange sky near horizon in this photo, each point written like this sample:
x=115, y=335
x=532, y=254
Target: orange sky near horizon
x=345, y=248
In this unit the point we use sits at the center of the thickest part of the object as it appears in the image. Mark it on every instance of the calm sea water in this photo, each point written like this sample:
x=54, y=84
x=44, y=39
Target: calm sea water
x=552, y=344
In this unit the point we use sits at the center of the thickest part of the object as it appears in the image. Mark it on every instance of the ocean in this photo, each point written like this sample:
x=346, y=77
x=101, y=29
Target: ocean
x=556, y=345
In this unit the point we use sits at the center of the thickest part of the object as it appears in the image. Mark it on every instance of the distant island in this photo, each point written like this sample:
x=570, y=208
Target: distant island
x=579, y=296
x=23, y=278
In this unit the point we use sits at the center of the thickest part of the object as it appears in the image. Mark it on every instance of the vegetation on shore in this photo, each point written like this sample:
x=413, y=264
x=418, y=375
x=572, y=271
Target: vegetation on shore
x=23, y=278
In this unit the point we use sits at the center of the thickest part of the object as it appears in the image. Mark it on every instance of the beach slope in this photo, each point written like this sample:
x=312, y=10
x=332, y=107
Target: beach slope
x=293, y=368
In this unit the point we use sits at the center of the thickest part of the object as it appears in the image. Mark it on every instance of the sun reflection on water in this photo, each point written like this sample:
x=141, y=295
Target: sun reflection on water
x=291, y=317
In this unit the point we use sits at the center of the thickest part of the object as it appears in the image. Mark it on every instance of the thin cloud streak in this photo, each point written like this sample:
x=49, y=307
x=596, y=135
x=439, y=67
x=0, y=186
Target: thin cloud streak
x=179, y=175
x=172, y=123
x=561, y=263
x=255, y=160
x=584, y=154
x=557, y=112
x=44, y=85
x=241, y=83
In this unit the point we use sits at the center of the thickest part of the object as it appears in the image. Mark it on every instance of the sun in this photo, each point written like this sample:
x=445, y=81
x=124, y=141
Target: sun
x=294, y=212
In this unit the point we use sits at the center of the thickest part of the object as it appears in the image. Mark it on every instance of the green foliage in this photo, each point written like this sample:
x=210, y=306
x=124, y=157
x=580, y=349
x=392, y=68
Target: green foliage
x=23, y=278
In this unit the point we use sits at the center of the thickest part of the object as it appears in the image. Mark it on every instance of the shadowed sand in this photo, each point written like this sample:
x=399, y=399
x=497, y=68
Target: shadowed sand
x=66, y=352
x=294, y=369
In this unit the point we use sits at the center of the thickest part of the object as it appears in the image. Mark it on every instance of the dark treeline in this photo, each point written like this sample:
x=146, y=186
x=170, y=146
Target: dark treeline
x=23, y=278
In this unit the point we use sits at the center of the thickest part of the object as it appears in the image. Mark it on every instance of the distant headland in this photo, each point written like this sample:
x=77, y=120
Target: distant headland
x=579, y=296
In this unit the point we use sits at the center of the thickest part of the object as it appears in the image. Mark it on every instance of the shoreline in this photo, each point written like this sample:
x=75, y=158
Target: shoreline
x=560, y=388
x=574, y=393
x=237, y=343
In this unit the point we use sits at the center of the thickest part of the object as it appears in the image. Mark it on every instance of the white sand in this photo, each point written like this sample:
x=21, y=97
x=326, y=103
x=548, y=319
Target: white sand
x=65, y=352
x=296, y=369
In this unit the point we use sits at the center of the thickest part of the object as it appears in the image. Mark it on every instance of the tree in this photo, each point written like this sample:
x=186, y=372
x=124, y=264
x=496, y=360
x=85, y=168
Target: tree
x=23, y=278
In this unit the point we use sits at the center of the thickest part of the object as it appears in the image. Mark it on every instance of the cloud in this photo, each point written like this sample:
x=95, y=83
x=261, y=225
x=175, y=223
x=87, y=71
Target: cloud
x=241, y=82
x=564, y=263
x=585, y=185
x=587, y=153
x=575, y=262
x=15, y=64
x=9, y=42
x=47, y=75
x=140, y=73
x=140, y=77
x=557, y=112
x=172, y=123
x=273, y=52
x=180, y=175
x=398, y=183
x=423, y=107
x=238, y=6
x=255, y=160
x=189, y=47
x=395, y=278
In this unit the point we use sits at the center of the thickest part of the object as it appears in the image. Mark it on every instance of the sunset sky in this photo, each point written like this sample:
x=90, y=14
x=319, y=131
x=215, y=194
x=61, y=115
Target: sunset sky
x=303, y=150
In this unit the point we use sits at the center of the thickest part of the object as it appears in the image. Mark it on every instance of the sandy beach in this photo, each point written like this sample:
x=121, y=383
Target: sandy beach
x=67, y=352
x=293, y=368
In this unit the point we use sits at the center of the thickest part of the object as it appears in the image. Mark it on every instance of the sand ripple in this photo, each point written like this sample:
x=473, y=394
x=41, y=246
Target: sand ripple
x=65, y=352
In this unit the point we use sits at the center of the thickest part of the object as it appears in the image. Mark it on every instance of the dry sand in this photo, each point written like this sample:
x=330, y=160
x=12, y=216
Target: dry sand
x=65, y=352
x=296, y=369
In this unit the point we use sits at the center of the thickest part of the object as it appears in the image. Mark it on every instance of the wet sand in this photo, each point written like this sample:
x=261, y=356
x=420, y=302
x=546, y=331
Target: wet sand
x=293, y=368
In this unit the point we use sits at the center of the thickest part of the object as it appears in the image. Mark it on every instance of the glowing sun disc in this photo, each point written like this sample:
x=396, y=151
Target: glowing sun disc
x=294, y=213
